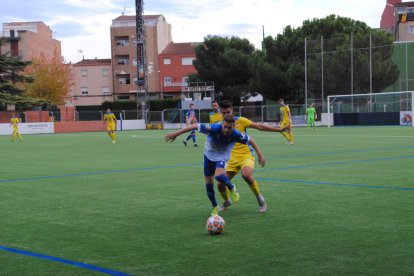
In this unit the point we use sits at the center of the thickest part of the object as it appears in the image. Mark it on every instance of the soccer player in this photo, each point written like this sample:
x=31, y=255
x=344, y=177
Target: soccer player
x=111, y=121
x=286, y=122
x=215, y=116
x=242, y=158
x=311, y=116
x=14, y=121
x=190, y=118
x=217, y=150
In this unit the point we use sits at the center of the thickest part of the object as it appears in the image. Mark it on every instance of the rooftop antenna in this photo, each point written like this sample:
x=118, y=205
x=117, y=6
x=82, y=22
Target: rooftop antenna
x=123, y=12
x=80, y=51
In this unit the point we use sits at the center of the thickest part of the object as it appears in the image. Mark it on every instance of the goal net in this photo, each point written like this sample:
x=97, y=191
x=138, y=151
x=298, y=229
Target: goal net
x=390, y=108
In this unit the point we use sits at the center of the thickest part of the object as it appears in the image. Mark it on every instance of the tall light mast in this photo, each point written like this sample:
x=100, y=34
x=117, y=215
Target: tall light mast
x=142, y=91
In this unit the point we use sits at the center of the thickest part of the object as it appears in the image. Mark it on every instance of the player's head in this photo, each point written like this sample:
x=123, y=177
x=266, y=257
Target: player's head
x=191, y=106
x=13, y=115
x=108, y=110
x=281, y=101
x=215, y=106
x=228, y=124
x=226, y=107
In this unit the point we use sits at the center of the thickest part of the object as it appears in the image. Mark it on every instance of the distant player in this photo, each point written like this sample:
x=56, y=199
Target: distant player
x=286, y=121
x=190, y=118
x=219, y=143
x=311, y=116
x=215, y=116
x=14, y=121
x=111, y=121
x=242, y=158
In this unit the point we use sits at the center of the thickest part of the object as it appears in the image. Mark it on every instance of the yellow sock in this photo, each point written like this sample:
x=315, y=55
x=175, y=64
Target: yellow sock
x=285, y=134
x=291, y=137
x=255, y=188
x=225, y=194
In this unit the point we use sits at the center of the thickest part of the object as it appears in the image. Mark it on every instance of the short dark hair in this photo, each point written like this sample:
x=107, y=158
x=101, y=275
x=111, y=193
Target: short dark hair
x=226, y=104
x=214, y=101
x=229, y=118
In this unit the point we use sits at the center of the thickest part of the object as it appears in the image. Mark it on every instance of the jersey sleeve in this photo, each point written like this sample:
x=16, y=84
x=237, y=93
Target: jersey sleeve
x=240, y=137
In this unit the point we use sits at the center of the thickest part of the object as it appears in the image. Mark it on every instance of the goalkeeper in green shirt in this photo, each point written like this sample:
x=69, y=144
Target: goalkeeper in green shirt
x=311, y=116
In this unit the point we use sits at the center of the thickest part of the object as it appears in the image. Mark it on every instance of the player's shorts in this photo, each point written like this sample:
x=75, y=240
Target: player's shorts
x=111, y=127
x=283, y=124
x=210, y=166
x=15, y=130
x=235, y=165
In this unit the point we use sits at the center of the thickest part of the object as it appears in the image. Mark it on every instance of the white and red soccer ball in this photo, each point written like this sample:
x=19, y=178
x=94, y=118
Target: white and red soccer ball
x=215, y=225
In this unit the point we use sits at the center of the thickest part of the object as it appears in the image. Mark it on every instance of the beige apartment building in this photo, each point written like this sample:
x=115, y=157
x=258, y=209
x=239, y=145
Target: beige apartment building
x=124, y=54
x=29, y=39
x=92, y=83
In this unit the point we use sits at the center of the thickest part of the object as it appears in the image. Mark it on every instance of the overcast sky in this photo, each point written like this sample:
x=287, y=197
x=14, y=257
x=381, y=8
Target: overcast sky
x=83, y=25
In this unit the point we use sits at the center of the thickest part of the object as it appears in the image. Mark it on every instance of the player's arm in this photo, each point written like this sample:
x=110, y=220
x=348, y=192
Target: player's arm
x=262, y=160
x=263, y=127
x=170, y=137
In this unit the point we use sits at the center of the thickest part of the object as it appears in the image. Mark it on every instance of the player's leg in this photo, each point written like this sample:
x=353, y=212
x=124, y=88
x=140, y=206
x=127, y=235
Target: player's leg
x=194, y=138
x=14, y=135
x=20, y=136
x=224, y=191
x=247, y=174
x=209, y=168
x=220, y=176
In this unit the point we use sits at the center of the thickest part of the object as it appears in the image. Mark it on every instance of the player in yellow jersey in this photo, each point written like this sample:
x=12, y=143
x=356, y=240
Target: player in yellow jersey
x=242, y=158
x=215, y=116
x=111, y=121
x=14, y=121
x=286, y=121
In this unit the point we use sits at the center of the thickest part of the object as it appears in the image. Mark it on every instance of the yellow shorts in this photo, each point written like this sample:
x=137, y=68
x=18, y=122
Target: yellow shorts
x=235, y=165
x=111, y=127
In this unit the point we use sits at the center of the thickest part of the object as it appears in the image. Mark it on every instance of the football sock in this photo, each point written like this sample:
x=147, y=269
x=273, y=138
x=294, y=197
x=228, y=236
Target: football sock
x=255, y=188
x=225, y=180
x=210, y=194
x=224, y=192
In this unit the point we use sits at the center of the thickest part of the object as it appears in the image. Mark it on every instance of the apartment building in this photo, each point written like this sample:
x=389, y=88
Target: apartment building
x=29, y=39
x=124, y=54
x=175, y=63
x=92, y=83
x=398, y=19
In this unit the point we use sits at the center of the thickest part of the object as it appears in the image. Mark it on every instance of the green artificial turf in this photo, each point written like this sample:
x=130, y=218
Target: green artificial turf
x=340, y=202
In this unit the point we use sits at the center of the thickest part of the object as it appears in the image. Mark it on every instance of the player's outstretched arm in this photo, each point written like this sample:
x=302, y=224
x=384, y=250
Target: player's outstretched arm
x=262, y=160
x=170, y=137
x=263, y=127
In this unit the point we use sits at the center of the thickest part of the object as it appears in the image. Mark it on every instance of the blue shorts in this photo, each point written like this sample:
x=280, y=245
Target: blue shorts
x=210, y=166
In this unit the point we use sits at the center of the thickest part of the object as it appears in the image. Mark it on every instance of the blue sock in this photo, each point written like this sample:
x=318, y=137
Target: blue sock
x=210, y=194
x=194, y=139
x=225, y=180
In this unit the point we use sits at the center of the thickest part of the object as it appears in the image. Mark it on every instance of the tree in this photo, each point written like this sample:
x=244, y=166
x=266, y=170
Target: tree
x=285, y=57
x=52, y=79
x=226, y=62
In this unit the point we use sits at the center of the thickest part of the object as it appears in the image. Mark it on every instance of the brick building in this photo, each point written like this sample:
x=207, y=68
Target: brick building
x=398, y=19
x=29, y=39
x=92, y=83
x=174, y=64
x=124, y=54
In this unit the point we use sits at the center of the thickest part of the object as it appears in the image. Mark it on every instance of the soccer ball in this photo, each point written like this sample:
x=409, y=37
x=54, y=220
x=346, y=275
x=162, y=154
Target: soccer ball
x=215, y=225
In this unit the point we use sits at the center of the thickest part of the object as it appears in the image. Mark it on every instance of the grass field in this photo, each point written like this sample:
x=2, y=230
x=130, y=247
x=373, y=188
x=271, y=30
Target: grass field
x=340, y=202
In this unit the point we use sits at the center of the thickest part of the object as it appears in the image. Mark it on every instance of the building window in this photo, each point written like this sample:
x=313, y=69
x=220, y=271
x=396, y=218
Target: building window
x=122, y=60
x=84, y=90
x=123, y=97
x=122, y=41
x=135, y=62
x=105, y=72
x=105, y=90
x=167, y=80
x=187, y=61
x=185, y=80
x=167, y=61
x=124, y=80
x=84, y=72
